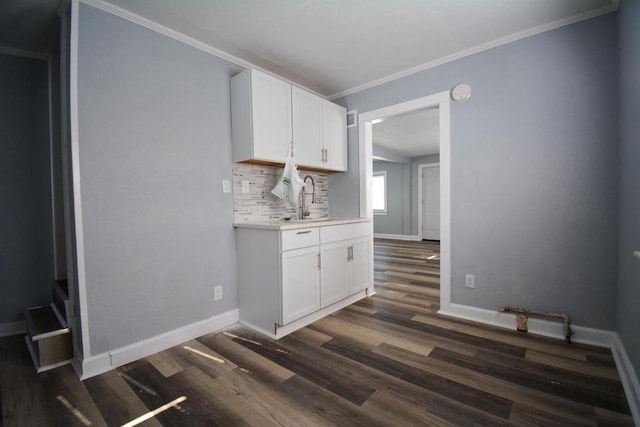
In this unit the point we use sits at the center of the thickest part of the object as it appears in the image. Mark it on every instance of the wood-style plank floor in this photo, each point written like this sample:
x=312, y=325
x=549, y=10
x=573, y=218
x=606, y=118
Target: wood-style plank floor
x=389, y=360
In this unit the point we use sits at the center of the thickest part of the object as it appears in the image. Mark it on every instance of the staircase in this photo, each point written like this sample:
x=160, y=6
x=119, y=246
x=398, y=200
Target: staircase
x=49, y=338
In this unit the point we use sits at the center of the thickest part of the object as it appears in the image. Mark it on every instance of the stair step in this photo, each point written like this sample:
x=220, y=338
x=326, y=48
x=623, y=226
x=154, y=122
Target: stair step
x=42, y=322
x=50, y=353
x=49, y=341
x=61, y=301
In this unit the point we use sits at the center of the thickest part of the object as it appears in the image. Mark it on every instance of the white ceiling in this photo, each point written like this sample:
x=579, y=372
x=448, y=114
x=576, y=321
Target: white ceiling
x=409, y=135
x=332, y=47
x=335, y=47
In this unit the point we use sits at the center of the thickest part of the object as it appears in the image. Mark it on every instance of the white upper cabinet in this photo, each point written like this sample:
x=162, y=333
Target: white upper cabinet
x=307, y=128
x=334, y=136
x=268, y=113
x=319, y=132
x=260, y=117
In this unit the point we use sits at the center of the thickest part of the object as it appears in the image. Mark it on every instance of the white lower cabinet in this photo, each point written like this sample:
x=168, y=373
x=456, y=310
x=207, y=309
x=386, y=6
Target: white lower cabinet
x=289, y=278
x=345, y=269
x=334, y=272
x=300, y=283
x=360, y=264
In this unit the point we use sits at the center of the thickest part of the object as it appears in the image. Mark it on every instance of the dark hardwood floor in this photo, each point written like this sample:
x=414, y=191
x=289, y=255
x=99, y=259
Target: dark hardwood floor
x=389, y=360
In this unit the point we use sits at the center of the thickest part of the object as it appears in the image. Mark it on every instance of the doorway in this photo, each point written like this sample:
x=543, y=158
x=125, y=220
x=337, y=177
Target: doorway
x=365, y=131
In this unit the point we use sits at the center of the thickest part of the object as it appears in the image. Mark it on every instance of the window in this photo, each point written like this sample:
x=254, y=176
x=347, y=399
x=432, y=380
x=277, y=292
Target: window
x=379, y=193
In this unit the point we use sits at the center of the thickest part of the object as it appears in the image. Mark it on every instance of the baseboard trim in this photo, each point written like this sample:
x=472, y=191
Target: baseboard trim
x=258, y=329
x=93, y=365
x=285, y=330
x=584, y=335
x=104, y=362
x=396, y=237
x=628, y=377
x=13, y=328
x=301, y=323
x=597, y=337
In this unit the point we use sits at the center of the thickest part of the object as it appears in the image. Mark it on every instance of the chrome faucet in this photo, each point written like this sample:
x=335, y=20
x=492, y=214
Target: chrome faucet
x=304, y=212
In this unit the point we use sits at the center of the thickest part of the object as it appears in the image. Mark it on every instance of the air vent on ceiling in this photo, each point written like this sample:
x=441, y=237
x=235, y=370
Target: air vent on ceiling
x=352, y=118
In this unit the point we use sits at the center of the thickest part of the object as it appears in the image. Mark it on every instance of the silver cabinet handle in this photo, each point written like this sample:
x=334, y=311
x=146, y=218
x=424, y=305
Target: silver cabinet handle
x=318, y=261
x=326, y=155
x=304, y=232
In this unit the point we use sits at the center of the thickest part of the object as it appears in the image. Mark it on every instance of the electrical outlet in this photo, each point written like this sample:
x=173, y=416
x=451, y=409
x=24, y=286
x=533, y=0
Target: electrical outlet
x=217, y=293
x=245, y=186
x=470, y=281
x=226, y=186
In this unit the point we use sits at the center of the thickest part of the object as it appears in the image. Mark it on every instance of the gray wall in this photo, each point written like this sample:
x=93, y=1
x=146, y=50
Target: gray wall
x=26, y=247
x=154, y=146
x=534, y=170
x=396, y=221
x=629, y=267
x=402, y=218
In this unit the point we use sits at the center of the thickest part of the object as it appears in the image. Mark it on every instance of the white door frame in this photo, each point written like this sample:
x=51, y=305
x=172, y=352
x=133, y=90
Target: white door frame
x=421, y=167
x=365, y=132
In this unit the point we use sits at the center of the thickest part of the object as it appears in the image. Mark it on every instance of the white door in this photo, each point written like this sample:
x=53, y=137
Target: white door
x=431, y=203
x=300, y=283
x=334, y=273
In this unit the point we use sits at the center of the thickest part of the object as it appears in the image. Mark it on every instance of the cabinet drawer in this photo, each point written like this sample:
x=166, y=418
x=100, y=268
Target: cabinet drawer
x=300, y=238
x=334, y=233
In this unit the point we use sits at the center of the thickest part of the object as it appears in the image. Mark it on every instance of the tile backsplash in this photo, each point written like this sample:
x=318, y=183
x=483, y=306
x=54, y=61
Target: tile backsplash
x=260, y=205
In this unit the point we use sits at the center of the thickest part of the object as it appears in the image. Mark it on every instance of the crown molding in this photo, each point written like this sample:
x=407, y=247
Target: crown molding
x=178, y=36
x=166, y=31
x=481, y=48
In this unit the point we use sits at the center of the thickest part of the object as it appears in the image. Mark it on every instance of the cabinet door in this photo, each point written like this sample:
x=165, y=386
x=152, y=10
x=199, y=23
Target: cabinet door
x=271, y=117
x=300, y=283
x=334, y=273
x=335, y=136
x=360, y=265
x=307, y=127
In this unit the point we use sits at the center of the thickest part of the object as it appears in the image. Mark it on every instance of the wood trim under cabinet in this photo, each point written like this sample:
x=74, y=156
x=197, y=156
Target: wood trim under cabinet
x=281, y=165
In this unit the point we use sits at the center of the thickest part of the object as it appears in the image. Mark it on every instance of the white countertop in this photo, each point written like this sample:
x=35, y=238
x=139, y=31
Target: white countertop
x=281, y=224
